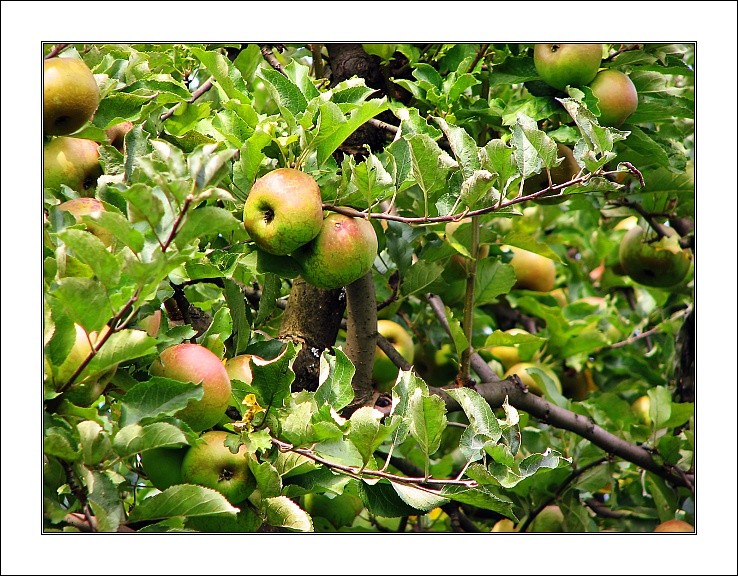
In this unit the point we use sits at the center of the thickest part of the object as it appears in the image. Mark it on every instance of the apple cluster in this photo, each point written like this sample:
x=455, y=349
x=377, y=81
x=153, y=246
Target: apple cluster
x=71, y=98
x=562, y=65
x=284, y=216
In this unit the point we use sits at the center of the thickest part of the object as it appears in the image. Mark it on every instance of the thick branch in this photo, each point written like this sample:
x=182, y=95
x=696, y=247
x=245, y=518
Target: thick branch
x=361, y=335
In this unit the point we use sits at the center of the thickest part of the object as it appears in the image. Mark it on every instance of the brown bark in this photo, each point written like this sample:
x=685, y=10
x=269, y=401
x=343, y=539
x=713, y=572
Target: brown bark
x=361, y=336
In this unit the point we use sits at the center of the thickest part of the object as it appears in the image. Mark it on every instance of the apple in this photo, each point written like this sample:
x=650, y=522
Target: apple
x=562, y=65
x=459, y=265
x=507, y=355
x=212, y=464
x=70, y=95
x=239, y=368
x=504, y=525
x=577, y=385
x=521, y=369
x=662, y=263
x=674, y=526
x=74, y=162
x=385, y=372
x=283, y=211
x=564, y=172
x=81, y=392
x=437, y=366
x=195, y=363
x=341, y=253
x=151, y=323
x=533, y=271
x=550, y=519
x=163, y=466
x=117, y=134
x=642, y=409
x=340, y=510
x=617, y=97
x=79, y=207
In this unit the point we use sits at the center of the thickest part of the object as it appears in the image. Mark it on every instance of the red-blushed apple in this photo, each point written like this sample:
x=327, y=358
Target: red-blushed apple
x=283, y=211
x=195, y=363
x=674, y=526
x=562, y=65
x=74, y=162
x=617, y=97
x=341, y=253
x=117, y=134
x=79, y=207
x=70, y=95
x=212, y=464
x=239, y=367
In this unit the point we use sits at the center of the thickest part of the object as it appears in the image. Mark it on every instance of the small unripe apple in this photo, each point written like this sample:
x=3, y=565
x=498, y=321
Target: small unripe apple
x=662, y=263
x=521, y=370
x=562, y=65
x=533, y=271
x=617, y=96
x=74, y=162
x=212, y=464
x=641, y=407
x=70, y=95
x=283, y=211
x=507, y=355
x=195, y=363
x=550, y=519
x=341, y=253
x=384, y=372
x=151, y=323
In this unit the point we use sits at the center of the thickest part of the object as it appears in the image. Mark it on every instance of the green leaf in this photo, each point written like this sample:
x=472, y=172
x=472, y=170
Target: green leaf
x=207, y=167
x=237, y=305
x=429, y=166
x=204, y=221
x=85, y=301
x=642, y=143
x=427, y=421
x=497, y=158
x=382, y=499
x=246, y=168
x=95, y=442
x=183, y=500
x=270, y=290
x=480, y=498
x=135, y=438
x=598, y=138
x=285, y=92
x=61, y=442
x=367, y=432
x=335, y=128
x=104, y=500
x=225, y=74
x=528, y=242
x=300, y=76
x=419, y=276
x=493, y=279
x=550, y=391
x=268, y=481
x=474, y=188
x=419, y=498
x=463, y=147
x=272, y=379
x=220, y=328
x=477, y=410
x=297, y=427
x=283, y=512
x=159, y=396
x=336, y=374
x=339, y=451
x=532, y=148
x=90, y=250
x=118, y=226
x=660, y=406
x=232, y=127
x=121, y=347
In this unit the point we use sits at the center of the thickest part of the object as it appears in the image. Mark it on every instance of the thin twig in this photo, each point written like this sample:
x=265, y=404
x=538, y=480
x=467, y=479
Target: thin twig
x=175, y=229
x=55, y=51
x=207, y=85
x=383, y=126
x=480, y=54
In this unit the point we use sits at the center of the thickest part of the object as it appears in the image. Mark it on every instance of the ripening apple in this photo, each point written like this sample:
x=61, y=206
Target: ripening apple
x=239, y=368
x=384, y=372
x=117, y=134
x=163, y=466
x=74, y=162
x=212, y=464
x=70, y=95
x=283, y=211
x=641, y=407
x=661, y=263
x=533, y=271
x=550, y=519
x=341, y=253
x=562, y=65
x=195, y=363
x=674, y=526
x=617, y=97
x=521, y=369
x=79, y=207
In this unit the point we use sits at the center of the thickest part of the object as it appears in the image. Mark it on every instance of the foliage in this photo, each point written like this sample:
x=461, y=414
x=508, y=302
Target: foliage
x=470, y=126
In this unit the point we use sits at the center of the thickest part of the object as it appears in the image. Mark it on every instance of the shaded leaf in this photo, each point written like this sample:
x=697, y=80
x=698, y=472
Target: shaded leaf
x=159, y=396
x=183, y=500
x=135, y=438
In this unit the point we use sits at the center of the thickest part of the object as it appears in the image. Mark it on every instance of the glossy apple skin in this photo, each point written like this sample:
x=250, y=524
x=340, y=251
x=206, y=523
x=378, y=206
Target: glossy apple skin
x=655, y=264
x=533, y=271
x=341, y=253
x=195, y=363
x=70, y=95
x=74, y=162
x=213, y=465
x=617, y=96
x=283, y=211
x=562, y=65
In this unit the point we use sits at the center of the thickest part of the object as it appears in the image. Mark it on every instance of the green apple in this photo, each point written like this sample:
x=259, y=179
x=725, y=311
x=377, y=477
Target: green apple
x=641, y=407
x=550, y=519
x=662, y=263
x=70, y=95
x=195, y=363
x=74, y=162
x=504, y=525
x=507, y=355
x=674, y=526
x=79, y=207
x=283, y=211
x=562, y=65
x=385, y=372
x=163, y=466
x=340, y=510
x=617, y=97
x=533, y=271
x=341, y=253
x=521, y=369
x=212, y=464
x=117, y=134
